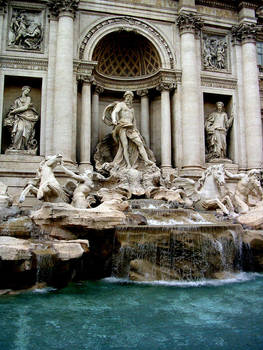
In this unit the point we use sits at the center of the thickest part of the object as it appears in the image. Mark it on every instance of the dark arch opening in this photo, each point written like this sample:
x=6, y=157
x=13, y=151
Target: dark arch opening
x=126, y=54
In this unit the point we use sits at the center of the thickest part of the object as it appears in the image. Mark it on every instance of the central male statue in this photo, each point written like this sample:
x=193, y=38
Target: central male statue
x=121, y=116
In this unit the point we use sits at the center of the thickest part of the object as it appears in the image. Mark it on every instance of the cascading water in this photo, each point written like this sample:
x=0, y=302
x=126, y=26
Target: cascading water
x=177, y=245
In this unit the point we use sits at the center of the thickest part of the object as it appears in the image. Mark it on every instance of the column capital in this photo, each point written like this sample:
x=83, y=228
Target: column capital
x=244, y=33
x=142, y=93
x=85, y=79
x=166, y=86
x=189, y=23
x=3, y=4
x=98, y=89
x=63, y=7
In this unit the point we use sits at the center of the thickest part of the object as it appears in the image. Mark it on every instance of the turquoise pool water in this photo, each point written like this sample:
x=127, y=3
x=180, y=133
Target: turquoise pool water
x=115, y=314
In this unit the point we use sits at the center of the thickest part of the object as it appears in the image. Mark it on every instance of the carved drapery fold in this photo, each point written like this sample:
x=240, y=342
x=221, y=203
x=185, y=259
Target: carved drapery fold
x=58, y=6
x=189, y=23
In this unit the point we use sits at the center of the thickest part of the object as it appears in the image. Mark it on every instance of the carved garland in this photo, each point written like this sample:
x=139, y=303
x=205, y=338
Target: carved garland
x=131, y=21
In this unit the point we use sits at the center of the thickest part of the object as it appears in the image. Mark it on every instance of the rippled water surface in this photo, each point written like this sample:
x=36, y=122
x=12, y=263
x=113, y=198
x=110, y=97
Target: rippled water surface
x=114, y=314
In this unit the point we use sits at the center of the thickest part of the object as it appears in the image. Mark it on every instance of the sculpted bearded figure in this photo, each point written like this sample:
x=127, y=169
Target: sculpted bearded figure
x=130, y=145
x=21, y=120
x=217, y=126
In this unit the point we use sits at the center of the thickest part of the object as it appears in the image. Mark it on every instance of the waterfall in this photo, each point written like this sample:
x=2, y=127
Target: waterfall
x=181, y=247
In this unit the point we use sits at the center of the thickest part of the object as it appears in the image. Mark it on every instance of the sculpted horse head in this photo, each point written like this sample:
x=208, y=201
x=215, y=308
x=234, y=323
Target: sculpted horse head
x=212, y=179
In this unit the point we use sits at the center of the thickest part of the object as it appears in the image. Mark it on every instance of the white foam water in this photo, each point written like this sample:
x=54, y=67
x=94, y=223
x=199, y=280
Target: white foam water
x=233, y=278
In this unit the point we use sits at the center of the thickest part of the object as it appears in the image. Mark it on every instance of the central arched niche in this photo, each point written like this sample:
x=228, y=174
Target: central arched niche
x=126, y=54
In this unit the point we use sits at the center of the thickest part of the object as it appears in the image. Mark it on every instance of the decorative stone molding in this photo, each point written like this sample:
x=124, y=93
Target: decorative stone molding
x=228, y=5
x=98, y=89
x=244, y=32
x=82, y=78
x=247, y=4
x=130, y=21
x=218, y=83
x=24, y=63
x=189, y=23
x=58, y=6
x=3, y=4
x=142, y=93
x=168, y=86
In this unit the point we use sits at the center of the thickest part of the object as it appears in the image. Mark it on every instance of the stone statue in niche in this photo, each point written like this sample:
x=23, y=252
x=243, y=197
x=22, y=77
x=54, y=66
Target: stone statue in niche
x=125, y=133
x=25, y=32
x=217, y=125
x=214, y=53
x=21, y=120
x=123, y=156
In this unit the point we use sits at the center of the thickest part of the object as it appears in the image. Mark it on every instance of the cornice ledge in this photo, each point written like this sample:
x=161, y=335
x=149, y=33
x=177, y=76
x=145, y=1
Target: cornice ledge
x=23, y=62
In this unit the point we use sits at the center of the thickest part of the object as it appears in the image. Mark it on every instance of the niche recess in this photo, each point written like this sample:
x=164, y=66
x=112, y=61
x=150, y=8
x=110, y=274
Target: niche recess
x=210, y=106
x=12, y=90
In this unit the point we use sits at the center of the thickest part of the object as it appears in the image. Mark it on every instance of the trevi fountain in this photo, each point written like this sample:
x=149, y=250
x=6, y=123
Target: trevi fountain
x=131, y=179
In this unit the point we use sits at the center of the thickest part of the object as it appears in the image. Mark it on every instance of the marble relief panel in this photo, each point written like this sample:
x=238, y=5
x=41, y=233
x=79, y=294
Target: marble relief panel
x=25, y=29
x=215, y=53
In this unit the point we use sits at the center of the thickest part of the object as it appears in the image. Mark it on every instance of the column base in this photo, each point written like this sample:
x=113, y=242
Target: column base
x=85, y=166
x=191, y=171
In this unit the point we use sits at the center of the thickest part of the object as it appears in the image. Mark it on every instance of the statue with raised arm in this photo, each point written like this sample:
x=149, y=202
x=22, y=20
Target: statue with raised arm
x=45, y=186
x=81, y=198
x=21, y=120
x=217, y=125
x=130, y=144
x=248, y=186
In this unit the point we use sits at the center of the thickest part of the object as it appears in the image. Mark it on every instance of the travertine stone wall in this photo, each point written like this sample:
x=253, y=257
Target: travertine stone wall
x=170, y=105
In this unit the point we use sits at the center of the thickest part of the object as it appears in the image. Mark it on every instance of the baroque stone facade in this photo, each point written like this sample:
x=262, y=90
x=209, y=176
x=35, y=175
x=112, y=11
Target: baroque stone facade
x=179, y=59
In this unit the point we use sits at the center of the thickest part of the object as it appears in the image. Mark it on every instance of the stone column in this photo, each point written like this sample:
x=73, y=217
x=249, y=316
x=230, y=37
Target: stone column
x=49, y=125
x=189, y=26
x=246, y=33
x=166, y=137
x=145, y=115
x=95, y=116
x=63, y=96
x=2, y=13
x=85, y=124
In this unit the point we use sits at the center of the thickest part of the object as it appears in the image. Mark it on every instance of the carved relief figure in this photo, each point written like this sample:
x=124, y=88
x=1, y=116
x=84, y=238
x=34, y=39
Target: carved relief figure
x=130, y=145
x=25, y=32
x=21, y=120
x=214, y=53
x=217, y=125
x=247, y=187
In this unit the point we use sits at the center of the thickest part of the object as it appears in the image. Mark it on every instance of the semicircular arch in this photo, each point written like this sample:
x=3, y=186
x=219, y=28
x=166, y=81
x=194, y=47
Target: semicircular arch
x=113, y=24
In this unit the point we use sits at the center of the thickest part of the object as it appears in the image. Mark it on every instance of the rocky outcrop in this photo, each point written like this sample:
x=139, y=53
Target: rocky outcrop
x=24, y=263
x=253, y=250
x=75, y=221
